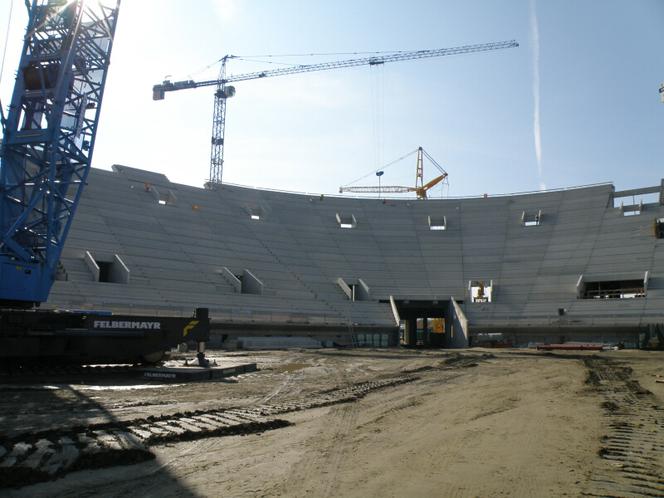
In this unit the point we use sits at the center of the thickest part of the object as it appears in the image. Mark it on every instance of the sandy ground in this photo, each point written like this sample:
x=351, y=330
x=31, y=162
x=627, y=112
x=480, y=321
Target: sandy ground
x=488, y=423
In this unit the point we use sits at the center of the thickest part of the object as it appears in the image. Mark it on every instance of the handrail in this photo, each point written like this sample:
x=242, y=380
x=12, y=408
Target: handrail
x=382, y=197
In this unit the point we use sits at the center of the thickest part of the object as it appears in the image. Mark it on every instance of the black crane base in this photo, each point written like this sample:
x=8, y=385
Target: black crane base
x=94, y=337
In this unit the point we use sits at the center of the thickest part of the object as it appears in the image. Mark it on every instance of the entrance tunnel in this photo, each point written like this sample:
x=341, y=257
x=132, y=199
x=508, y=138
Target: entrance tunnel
x=429, y=323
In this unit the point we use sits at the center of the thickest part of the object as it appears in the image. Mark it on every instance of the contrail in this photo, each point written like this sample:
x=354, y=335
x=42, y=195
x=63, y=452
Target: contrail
x=537, y=130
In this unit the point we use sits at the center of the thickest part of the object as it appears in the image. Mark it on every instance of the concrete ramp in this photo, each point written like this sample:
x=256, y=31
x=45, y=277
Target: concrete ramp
x=458, y=332
x=395, y=311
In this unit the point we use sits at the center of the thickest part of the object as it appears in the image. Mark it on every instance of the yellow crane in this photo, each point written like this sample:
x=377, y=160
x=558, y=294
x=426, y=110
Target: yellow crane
x=420, y=187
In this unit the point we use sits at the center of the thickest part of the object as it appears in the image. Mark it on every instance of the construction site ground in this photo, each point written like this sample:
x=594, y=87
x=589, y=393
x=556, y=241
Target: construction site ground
x=351, y=422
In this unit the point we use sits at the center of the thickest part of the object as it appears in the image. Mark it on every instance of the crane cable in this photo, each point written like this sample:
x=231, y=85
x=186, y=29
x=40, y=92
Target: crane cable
x=391, y=163
x=433, y=161
x=246, y=59
x=255, y=58
x=446, y=181
x=324, y=54
x=377, y=90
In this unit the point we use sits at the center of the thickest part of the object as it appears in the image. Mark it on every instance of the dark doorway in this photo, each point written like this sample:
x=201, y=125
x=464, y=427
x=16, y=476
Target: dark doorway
x=425, y=322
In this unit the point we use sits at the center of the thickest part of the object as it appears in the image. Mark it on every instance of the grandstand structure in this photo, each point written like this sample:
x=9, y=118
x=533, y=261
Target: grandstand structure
x=583, y=263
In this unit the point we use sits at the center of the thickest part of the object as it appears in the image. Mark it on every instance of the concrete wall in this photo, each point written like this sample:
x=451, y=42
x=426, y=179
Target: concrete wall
x=177, y=254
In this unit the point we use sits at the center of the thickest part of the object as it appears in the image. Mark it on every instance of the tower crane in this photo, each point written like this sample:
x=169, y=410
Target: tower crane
x=225, y=91
x=420, y=187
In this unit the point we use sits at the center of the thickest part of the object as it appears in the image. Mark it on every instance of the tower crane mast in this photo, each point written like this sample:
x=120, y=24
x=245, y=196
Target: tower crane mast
x=225, y=91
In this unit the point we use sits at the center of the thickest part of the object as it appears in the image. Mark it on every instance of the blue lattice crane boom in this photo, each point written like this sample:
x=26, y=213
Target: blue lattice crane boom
x=49, y=137
x=224, y=91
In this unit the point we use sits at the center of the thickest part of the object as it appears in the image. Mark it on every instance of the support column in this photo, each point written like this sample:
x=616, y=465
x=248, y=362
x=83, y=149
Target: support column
x=411, y=332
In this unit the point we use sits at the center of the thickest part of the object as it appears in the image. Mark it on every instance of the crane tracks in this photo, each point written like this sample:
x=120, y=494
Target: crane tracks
x=632, y=451
x=47, y=455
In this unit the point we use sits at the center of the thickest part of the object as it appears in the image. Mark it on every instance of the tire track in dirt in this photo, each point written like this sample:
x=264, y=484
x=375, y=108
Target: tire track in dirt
x=340, y=444
x=632, y=452
x=282, y=388
x=325, y=451
x=46, y=455
x=322, y=459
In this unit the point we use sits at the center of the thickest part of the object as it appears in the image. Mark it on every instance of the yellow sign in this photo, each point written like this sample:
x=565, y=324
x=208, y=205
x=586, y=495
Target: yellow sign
x=189, y=327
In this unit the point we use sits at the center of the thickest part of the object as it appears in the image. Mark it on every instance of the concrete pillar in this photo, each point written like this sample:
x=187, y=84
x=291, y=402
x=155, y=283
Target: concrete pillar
x=411, y=332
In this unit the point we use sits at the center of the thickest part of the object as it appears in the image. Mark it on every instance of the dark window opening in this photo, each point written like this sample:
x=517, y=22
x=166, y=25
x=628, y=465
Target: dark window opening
x=104, y=271
x=109, y=269
x=255, y=213
x=632, y=211
x=346, y=221
x=659, y=228
x=531, y=219
x=164, y=198
x=357, y=293
x=614, y=289
x=480, y=291
x=249, y=283
x=635, y=202
x=437, y=223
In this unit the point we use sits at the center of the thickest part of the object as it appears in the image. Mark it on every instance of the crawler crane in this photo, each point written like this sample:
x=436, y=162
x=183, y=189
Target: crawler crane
x=48, y=139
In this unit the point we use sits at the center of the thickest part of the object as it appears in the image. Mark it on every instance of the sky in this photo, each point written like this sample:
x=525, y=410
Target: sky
x=576, y=103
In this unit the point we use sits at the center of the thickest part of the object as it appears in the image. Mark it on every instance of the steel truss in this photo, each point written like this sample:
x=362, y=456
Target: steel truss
x=49, y=138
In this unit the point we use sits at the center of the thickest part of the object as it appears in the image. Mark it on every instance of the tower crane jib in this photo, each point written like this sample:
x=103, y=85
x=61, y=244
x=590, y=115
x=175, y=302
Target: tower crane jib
x=225, y=91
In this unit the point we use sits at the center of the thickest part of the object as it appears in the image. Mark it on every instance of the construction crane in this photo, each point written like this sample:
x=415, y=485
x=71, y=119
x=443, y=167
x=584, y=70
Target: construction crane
x=225, y=91
x=49, y=136
x=420, y=187
x=45, y=157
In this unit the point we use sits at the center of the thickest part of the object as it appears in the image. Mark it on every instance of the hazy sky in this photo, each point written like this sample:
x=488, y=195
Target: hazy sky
x=576, y=103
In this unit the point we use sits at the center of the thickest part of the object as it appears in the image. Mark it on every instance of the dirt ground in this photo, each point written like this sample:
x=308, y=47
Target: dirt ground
x=360, y=423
